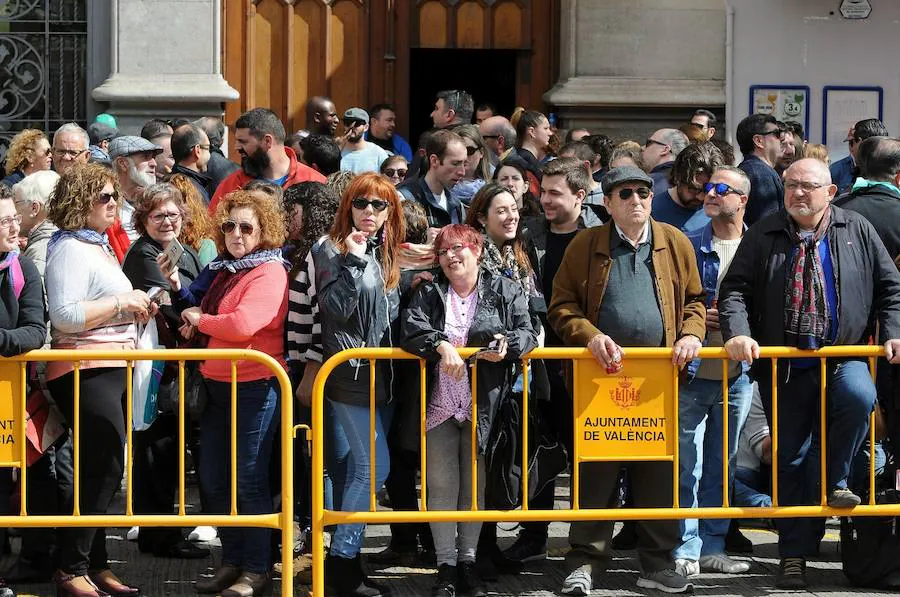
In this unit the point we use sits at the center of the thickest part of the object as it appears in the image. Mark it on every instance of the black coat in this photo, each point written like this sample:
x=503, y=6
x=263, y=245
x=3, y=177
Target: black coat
x=23, y=324
x=502, y=308
x=881, y=206
x=751, y=297
x=219, y=168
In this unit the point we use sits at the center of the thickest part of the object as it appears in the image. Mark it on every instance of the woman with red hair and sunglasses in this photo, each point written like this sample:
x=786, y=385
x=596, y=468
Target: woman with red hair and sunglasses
x=357, y=277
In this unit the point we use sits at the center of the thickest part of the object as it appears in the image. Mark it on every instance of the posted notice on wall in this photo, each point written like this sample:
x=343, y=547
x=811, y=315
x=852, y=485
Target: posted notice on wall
x=625, y=415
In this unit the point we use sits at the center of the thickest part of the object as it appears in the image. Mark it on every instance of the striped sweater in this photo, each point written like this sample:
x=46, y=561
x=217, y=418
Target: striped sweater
x=304, y=330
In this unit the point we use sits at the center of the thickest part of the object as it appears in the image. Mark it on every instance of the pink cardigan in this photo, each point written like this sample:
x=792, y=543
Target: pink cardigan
x=251, y=316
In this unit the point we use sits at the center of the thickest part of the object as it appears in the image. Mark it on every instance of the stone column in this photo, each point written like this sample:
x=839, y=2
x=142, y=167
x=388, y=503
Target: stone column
x=165, y=61
x=628, y=67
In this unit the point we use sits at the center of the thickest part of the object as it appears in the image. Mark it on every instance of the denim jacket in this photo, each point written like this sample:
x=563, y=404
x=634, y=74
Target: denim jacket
x=708, y=264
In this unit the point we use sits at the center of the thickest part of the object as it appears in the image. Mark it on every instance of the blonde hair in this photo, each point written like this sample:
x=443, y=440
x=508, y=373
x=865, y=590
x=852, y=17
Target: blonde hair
x=816, y=151
x=197, y=225
x=21, y=149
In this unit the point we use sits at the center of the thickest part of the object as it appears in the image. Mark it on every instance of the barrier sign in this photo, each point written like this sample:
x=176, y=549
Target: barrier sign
x=625, y=415
x=10, y=412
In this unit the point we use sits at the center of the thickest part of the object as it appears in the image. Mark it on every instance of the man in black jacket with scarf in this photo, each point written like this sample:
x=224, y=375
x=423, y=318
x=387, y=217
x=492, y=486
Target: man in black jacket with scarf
x=813, y=275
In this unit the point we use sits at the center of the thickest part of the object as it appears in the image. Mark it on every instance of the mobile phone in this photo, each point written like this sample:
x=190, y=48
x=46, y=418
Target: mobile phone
x=174, y=252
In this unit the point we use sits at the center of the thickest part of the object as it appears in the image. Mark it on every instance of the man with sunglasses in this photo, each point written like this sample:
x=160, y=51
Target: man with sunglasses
x=845, y=171
x=759, y=138
x=358, y=155
x=700, y=399
x=659, y=153
x=681, y=205
x=630, y=282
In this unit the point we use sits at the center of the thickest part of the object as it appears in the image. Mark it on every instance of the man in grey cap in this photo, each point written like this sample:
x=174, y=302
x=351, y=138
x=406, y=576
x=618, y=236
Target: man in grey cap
x=359, y=155
x=134, y=162
x=100, y=135
x=630, y=282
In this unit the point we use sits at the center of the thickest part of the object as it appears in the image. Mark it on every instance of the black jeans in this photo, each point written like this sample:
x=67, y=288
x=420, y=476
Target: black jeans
x=102, y=459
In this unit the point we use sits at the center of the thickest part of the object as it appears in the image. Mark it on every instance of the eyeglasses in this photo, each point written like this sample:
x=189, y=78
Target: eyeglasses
x=808, y=187
x=377, y=204
x=470, y=151
x=395, y=172
x=650, y=142
x=104, y=198
x=697, y=125
x=720, y=188
x=69, y=153
x=8, y=221
x=490, y=136
x=159, y=218
x=642, y=192
x=204, y=147
x=245, y=228
x=455, y=249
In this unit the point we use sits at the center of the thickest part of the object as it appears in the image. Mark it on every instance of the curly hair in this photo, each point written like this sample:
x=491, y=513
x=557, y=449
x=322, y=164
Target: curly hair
x=75, y=192
x=152, y=197
x=376, y=186
x=272, y=232
x=694, y=160
x=479, y=207
x=319, y=204
x=340, y=180
x=197, y=225
x=269, y=189
x=21, y=149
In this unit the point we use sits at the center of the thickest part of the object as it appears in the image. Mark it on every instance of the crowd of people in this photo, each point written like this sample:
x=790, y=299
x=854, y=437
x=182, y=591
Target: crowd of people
x=501, y=234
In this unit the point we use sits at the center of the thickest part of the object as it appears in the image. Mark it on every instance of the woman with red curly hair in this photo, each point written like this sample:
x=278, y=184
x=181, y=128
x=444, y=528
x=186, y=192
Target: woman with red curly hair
x=357, y=276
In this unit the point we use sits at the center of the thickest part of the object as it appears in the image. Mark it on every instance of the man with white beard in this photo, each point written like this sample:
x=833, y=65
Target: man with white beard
x=134, y=162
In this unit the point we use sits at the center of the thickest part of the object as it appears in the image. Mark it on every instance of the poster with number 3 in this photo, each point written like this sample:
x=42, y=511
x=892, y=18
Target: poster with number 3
x=787, y=103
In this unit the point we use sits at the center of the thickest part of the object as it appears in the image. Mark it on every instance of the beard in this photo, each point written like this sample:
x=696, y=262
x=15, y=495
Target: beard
x=255, y=164
x=141, y=179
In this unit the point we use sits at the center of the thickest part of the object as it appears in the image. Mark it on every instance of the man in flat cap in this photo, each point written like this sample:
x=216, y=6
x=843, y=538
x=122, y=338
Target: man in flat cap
x=631, y=282
x=134, y=162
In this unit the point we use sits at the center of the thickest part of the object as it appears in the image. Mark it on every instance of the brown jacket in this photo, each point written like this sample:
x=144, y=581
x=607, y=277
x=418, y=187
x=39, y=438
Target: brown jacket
x=580, y=284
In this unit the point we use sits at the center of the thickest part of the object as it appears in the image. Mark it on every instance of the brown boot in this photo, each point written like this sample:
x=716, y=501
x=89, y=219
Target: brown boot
x=222, y=579
x=250, y=584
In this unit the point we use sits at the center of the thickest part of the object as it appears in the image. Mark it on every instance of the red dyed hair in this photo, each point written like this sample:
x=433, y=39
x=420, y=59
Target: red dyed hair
x=374, y=186
x=458, y=233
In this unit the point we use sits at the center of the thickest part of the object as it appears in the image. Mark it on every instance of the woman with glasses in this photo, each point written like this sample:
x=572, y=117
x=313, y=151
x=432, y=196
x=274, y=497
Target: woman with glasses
x=158, y=217
x=478, y=166
x=242, y=298
x=29, y=152
x=357, y=277
x=465, y=305
x=92, y=305
x=395, y=168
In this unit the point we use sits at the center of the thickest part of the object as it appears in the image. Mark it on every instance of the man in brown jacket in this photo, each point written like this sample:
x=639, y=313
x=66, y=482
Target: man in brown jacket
x=631, y=282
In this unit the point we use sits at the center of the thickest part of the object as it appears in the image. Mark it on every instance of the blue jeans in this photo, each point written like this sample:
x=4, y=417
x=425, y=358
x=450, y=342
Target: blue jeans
x=850, y=395
x=257, y=419
x=350, y=472
x=747, y=492
x=700, y=457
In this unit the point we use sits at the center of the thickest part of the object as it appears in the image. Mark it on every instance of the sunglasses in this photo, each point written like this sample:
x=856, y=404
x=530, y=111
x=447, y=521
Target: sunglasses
x=104, y=198
x=395, y=172
x=642, y=192
x=377, y=204
x=470, y=151
x=778, y=132
x=720, y=188
x=246, y=228
x=650, y=142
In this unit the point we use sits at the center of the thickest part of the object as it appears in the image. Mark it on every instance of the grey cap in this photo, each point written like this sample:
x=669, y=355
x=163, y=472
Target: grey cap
x=128, y=144
x=617, y=176
x=357, y=114
x=99, y=131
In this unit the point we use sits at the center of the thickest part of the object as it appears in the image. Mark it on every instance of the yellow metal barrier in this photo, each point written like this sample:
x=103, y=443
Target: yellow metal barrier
x=585, y=368
x=280, y=520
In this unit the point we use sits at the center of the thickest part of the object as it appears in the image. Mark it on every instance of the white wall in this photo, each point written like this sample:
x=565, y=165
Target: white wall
x=808, y=42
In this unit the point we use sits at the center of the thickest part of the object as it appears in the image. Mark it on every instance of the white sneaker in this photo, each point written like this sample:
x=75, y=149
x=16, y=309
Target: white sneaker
x=719, y=562
x=132, y=534
x=687, y=568
x=203, y=534
x=579, y=582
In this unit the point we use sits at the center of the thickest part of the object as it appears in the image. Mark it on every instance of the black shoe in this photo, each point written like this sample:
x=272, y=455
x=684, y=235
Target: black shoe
x=348, y=580
x=527, y=548
x=26, y=571
x=183, y=550
x=394, y=557
x=627, y=537
x=491, y=563
x=791, y=574
x=427, y=558
x=737, y=542
x=468, y=582
x=445, y=584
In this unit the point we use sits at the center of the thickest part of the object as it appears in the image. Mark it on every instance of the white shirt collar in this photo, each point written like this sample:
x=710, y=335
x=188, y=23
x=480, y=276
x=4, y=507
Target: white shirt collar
x=645, y=234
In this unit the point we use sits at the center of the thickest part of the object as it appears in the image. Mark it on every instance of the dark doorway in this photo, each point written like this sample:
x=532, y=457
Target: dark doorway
x=489, y=75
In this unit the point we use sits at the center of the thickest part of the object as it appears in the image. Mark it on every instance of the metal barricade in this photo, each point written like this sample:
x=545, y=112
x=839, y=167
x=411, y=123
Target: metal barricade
x=280, y=520
x=585, y=367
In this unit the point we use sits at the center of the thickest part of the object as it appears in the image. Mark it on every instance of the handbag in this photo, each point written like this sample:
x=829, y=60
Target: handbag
x=146, y=379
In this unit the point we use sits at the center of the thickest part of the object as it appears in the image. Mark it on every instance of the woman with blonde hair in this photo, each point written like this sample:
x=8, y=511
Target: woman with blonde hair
x=478, y=166
x=197, y=229
x=29, y=152
x=357, y=277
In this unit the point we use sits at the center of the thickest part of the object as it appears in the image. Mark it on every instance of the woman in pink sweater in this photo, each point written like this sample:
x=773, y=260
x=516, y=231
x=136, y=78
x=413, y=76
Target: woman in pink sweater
x=244, y=307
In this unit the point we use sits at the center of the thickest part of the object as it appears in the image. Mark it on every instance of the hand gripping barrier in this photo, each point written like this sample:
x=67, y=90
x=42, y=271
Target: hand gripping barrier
x=280, y=520
x=595, y=393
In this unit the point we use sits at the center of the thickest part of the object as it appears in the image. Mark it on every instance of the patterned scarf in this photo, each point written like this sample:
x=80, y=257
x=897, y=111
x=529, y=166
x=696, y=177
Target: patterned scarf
x=249, y=261
x=502, y=262
x=16, y=279
x=807, y=318
x=84, y=235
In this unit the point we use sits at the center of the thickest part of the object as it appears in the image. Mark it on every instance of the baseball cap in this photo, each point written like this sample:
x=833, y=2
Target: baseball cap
x=107, y=119
x=357, y=114
x=128, y=144
x=617, y=176
x=99, y=131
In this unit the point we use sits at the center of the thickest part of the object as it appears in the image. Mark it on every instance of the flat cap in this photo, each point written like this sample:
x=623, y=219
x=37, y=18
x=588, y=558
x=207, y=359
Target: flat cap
x=128, y=145
x=617, y=176
x=357, y=114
